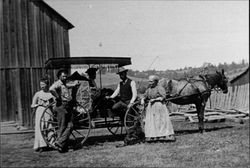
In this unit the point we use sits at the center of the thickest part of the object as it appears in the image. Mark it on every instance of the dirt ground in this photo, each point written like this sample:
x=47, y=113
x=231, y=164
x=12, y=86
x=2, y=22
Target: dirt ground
x=224, y=144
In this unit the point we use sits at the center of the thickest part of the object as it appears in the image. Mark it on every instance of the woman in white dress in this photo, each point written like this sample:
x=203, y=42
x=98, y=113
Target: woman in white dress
x=158, y=125
x=40, y=100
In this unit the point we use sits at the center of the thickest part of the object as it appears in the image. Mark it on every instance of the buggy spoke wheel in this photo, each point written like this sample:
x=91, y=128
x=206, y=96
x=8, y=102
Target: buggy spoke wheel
x=78, y=133
x=49, y=126
x=133, y=115
x=73, y=136
x=49, y=122
x=130, y=115
x=50, y=129
x=51, y=136
x=114, y=125
x=81, y=125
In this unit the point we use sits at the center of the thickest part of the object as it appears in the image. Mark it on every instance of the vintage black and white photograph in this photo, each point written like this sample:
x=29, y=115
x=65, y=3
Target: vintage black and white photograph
x=124, y=83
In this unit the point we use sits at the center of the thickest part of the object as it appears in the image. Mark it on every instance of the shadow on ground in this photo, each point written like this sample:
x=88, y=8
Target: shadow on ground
x=96, y=141
x=101, y=139
x=194, y=131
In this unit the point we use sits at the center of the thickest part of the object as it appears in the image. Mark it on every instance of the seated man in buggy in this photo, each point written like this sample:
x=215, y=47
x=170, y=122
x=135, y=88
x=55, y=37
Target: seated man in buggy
x=94, y=90
x=127, y=91
x=92, y=76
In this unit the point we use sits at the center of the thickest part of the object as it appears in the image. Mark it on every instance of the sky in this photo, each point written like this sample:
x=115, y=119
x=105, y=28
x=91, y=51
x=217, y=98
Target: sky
x=161, y=34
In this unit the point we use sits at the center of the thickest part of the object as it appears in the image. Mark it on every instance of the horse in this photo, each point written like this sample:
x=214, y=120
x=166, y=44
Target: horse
x=195, y=90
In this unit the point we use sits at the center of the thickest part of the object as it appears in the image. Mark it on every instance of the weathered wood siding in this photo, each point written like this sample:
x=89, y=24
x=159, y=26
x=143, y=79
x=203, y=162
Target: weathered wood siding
x=31, y=32
x=242, y=79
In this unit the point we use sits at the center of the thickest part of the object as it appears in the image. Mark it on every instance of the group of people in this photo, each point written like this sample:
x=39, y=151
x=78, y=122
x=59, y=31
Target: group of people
x=158, y=125
x=60, y=91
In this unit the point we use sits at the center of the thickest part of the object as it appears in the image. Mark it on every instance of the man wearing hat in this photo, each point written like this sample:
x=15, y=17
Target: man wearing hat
x=63, y=96
x=92, y=76
x=127, y=90
x=95, y=92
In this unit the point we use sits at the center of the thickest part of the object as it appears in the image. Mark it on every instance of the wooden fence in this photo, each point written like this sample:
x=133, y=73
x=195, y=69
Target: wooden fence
x=236, y=98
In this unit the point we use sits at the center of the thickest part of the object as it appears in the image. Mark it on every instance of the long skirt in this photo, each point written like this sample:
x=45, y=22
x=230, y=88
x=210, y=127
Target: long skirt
x=39, y=141
x=157, y=121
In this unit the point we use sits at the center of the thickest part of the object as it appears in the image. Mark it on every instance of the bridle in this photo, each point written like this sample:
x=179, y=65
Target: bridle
x=221, y=85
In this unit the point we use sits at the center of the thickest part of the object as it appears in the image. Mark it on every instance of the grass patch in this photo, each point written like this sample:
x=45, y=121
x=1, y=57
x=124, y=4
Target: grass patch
x=221, y=145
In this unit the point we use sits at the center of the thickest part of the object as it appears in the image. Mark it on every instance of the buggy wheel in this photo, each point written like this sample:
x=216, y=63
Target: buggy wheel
x=133, y=115
x=114, y=125
x=81, y=125
x=49, y=125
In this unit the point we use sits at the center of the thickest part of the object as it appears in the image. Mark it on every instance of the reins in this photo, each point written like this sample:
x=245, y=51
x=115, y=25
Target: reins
x=178, y=97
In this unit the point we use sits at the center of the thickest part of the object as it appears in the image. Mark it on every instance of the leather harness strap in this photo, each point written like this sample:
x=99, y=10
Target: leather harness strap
x=208, y=89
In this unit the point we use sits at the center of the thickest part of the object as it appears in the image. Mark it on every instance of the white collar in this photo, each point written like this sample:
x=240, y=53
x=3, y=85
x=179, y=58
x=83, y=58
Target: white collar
x=125, y=81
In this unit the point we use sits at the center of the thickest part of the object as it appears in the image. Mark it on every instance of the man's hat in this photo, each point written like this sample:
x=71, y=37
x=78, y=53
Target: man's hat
x=121, y=69
x=60, y=71
x=91, y=70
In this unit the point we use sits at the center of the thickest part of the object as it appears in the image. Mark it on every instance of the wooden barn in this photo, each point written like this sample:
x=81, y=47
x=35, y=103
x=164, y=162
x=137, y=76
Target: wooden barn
x=241, y=79
x=31, y=33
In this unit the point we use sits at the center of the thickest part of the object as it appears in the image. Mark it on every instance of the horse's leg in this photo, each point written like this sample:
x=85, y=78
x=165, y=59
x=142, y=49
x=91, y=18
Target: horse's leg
x=200, y=106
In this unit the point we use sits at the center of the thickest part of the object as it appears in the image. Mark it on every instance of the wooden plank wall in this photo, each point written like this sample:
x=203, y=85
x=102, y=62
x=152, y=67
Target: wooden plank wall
x=31, y=34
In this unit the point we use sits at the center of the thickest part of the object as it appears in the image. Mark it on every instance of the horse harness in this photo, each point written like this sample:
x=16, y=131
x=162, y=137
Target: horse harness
x=192, y=82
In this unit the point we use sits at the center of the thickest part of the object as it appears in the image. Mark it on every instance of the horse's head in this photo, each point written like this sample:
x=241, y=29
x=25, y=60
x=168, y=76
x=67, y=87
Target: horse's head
x=222, y=81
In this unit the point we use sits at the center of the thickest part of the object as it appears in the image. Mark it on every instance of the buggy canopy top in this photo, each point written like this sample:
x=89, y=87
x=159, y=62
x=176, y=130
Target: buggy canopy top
x=64, y=62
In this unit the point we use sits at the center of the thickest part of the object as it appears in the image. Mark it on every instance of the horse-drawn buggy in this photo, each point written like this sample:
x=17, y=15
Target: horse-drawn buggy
x=92, y=113
x=91, y=108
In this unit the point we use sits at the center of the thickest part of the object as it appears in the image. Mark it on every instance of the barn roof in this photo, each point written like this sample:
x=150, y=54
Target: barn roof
x=241, y=74
x=44, y=5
